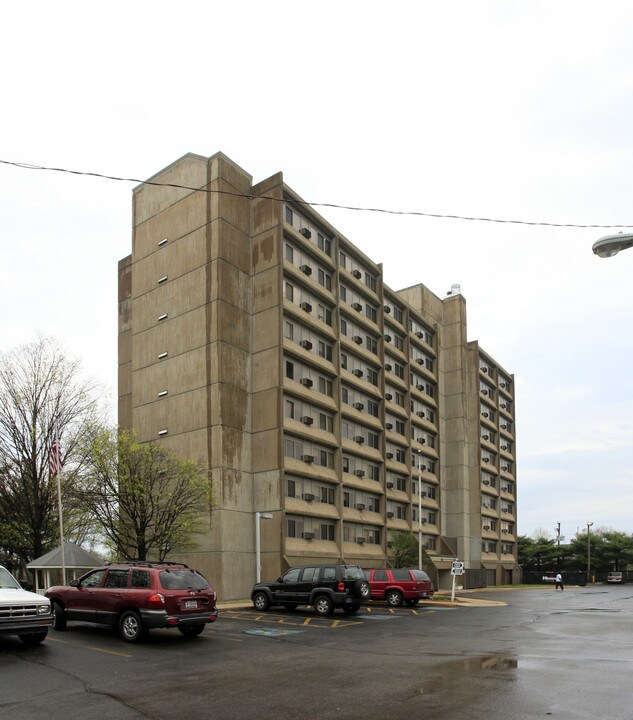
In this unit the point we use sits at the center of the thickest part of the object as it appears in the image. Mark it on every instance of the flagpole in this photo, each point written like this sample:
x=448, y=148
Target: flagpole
x=58, y=472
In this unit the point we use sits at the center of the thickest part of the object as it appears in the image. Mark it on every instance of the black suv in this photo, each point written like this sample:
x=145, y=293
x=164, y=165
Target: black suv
x=325, y=587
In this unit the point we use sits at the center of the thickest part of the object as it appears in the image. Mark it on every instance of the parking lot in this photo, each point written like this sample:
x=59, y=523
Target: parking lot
x=541, y=653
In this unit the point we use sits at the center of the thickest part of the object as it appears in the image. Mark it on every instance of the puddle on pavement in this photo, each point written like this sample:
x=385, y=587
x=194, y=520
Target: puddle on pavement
x=457, y=669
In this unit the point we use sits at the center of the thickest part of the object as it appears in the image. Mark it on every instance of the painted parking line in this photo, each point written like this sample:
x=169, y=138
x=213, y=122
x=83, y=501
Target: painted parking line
x=272, y=632
x=291, y=620
x=89, y=647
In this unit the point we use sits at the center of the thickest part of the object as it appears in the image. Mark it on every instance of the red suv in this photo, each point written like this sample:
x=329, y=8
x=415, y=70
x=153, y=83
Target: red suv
x=135, y=597
x=399, y=585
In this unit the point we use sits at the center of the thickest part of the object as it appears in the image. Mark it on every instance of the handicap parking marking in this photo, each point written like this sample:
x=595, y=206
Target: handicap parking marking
x=271, y=632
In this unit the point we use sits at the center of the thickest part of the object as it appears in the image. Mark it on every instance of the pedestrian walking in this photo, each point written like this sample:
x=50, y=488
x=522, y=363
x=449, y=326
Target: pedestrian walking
x=559, y=582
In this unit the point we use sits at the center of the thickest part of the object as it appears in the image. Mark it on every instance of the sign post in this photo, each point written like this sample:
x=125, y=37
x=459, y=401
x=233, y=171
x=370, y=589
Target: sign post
x=457, y=568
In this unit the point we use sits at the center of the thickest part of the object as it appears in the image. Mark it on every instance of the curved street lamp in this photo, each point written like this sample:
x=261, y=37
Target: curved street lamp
x=610, y=245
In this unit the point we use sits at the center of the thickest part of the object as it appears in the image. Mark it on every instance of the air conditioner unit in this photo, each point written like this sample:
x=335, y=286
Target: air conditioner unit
x=486, y=527
x=505, y=532
x=486, y=482
x=308, y=496
x=484, y=370
x=306, y=306
x=359, y=473
x=387, y=338
x=486, y=460
x=419, y=334
x=360, y=506
x=422, y=441
x=360, y=540
x=306, y=269
x=505, y=467
x=389, y=485
x=486, y=414
x=358, y=372
x=389, y=455
x=388, y=396
x=419, y=386
x=307, y=420
x=424, y=521
x=358, y=339
x=307, y=458
x=485, y=437
x=423, y=468
x=504, y=447
x=306, y=344
x=387, y=309
x=504, y=427
x=388, y=426
x=389, y=514
x=484, y=392
x=359, y=439
x=388, y=367
x=420, y=413
x=423, y=494
x=357, y=306
x=308, y=536
x=420, y=361
x=357, y=274
x=359, y=406
x=306, y=232
x=306, y=382
x=389, y=543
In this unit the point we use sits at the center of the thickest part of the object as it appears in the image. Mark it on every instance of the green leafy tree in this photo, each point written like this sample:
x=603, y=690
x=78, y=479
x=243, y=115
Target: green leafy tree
x=41, y=391
x=404, y=551
x=538, y=553
x=145, y=501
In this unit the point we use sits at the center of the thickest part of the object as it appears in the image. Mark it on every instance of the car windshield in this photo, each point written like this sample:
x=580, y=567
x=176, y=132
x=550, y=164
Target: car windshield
x=182, y=579
x=421, y=576
x=353, y=572
x=7, y=581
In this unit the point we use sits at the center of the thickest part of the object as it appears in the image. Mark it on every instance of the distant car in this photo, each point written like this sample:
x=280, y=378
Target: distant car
x=135, y=597
x=22, y=613
x=615, y=577
x=399, y=585
x=325, y=587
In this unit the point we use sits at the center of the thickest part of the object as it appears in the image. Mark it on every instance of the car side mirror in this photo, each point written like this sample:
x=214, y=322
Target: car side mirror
x=280, y=579
x=74, y=583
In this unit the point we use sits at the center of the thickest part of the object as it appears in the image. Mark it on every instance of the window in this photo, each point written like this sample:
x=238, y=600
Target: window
x=397, y=314
x=326, y=422
x=372, y=408
x=342, y=259
x=401, y=483
x=346, y=499
x=324, y=314
x=324, y=244
x=325, y=386
x=373, y=472
x=344, y=361
x=371, y=344
x=116, y=579
x=324, y=279
x=401, y=512
x=400, y=427
x=373, y=439
x=401, y=455
x=343, y=326
x=289, y=330
x=290, y=253
x=399, y=398
x=94, y=579
x=429, y=543
x=371, y=313
x=140, y=579
x=326, y=458
x=289, y=409
x=289, y=214
x=291, y=488
x=294, y=529
x=372, y=376
x=373, y=504
x=290, y=370
x=398, y=370
x=327, y=495
x=327, y=531
x=370, y=281
x=289, y=292
x=343, y=293
x=325, y=350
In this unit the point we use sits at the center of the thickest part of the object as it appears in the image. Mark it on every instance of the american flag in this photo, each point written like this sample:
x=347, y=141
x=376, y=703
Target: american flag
x=55, y=458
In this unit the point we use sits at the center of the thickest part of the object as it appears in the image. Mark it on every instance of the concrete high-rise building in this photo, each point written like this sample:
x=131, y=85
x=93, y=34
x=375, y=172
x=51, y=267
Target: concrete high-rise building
x=257, y=339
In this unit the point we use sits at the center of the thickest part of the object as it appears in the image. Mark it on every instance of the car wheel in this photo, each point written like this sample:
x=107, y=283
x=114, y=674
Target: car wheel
x=261, y=601
x=33, y=638
x=291, y=606
x=413, y=602
x=351, y=609
x=131, y=627
x=323, y=605
x=59, y=619
x=394, y=598
x=190, y=631
x=361, y=589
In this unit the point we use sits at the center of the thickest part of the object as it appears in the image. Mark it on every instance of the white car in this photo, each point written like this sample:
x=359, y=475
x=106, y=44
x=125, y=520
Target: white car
x=22, y=613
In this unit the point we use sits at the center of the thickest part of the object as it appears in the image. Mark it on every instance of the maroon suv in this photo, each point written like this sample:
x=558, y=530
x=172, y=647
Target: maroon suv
x=135, y=597
x=399, y=585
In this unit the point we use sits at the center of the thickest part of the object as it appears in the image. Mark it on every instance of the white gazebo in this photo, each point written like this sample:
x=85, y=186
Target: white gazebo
x=76, y=559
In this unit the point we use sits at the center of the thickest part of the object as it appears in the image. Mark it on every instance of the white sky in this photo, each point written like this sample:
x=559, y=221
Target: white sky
x=498, y=109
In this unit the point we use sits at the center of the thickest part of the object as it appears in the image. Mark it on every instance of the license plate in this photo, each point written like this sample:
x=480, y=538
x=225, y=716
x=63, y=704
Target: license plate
x=191, y=603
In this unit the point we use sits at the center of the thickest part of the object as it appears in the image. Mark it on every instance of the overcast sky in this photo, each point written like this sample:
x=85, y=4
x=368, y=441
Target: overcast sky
x=507, y=110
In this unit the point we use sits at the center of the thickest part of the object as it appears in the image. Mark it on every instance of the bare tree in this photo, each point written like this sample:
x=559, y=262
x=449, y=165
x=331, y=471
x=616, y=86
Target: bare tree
x=41, y=390
x=147, y=502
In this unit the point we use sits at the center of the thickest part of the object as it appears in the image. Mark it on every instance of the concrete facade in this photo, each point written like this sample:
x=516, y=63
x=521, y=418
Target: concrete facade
x=255, y=338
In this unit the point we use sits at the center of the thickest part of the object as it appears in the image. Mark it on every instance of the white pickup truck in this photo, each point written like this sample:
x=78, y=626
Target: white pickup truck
x=22, y=613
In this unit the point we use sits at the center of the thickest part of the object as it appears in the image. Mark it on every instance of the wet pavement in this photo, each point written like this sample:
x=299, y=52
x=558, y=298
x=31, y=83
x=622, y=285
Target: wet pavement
x=505, y=654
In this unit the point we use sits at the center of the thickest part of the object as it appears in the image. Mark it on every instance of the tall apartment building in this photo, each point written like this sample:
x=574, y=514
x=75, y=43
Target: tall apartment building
x=257, y=339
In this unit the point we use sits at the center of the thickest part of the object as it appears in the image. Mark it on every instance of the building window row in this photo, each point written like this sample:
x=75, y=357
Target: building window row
x=308, y=452
x=308, y=230
x=309, y=377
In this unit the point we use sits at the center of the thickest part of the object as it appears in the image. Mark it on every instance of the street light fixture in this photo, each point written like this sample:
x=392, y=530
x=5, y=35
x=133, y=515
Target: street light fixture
x=610, y=245
x=259, y=516
x=589, y=524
